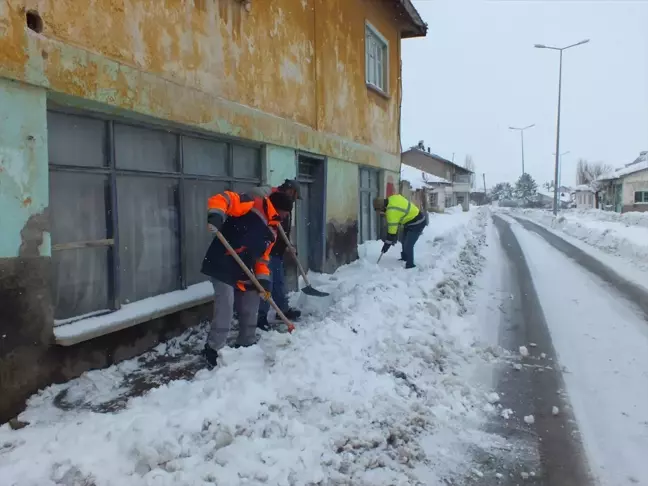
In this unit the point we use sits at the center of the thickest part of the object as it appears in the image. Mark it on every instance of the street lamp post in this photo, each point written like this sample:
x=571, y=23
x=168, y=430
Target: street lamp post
x=559, y=49
x=521, y=130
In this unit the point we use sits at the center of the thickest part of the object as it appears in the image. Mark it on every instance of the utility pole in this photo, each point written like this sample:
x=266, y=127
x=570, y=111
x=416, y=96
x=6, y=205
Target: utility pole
x=484, y=176
x=557, y=161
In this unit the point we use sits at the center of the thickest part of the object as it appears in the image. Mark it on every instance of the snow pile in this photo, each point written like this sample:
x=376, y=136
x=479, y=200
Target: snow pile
x=624, y=235
x=375, y=389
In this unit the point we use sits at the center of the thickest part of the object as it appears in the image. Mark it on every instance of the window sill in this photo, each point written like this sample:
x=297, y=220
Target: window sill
x=133, y=314
x=378, y=91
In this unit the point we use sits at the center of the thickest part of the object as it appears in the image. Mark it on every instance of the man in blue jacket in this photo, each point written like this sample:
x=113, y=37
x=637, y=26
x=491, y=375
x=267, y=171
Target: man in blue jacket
x=291, y=189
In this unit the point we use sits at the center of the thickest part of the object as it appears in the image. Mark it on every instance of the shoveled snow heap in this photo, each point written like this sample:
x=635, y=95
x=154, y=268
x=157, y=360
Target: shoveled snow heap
x=373, y=390
x=624, y=235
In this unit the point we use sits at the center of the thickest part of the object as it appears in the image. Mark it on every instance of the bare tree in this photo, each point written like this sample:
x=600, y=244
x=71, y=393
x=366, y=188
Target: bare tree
x=470, y=165
x=587, y=172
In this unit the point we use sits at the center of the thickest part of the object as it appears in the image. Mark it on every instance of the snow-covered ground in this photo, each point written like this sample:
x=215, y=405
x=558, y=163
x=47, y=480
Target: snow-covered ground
x=377, y=386
x=624, y=235
x=601, y=341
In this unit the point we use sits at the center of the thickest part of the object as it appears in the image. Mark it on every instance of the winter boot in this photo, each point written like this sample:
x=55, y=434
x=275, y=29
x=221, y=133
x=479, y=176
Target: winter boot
x=211, y=355
x=292, y=314
x=408, y=266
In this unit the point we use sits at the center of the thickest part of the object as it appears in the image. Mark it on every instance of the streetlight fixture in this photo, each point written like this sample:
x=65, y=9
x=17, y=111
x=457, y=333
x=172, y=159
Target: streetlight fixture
x=557, y=162
x=521, y=130
x=560, y=167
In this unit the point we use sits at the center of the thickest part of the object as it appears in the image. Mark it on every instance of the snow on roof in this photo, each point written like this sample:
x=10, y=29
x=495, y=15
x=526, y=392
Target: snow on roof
x=641, y=163
x=562, y=195
x=583, y=188
x=419, y=179
x=436, y=157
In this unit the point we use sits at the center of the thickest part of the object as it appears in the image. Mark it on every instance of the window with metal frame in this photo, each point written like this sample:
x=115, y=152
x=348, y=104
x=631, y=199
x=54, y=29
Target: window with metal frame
x=376, y=58
x=641, y=197
x=368, y=223
x=128, y=208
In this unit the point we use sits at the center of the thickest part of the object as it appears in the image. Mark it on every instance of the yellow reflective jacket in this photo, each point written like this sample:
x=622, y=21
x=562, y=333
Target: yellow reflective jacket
x=399, y=211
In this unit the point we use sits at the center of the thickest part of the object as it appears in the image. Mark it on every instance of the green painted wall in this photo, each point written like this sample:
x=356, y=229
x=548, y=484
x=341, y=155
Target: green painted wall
x=342, y=196
x=281, y=164
x=24, y=194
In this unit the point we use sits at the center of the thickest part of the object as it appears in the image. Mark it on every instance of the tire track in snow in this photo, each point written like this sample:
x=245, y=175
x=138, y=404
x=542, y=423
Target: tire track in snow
x=600, y=335
x=532, y=391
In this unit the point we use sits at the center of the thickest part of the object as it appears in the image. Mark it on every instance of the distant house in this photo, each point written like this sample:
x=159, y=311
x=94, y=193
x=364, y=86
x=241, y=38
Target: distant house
x=584, y=197
x=427, y=190
x=478, y=197
x=544, y=197
x=625, y=189
x=460, y=178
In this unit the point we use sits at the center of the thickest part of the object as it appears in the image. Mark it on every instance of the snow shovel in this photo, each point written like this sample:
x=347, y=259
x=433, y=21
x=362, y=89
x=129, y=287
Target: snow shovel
x=253, y=279
x=379, y=258
x=308, y=290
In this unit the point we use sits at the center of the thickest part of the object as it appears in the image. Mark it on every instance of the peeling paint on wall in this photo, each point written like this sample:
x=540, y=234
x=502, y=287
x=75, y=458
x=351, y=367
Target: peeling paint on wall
x=23, y=171
x=288, y=72
x=342, y=193
x=342, y=196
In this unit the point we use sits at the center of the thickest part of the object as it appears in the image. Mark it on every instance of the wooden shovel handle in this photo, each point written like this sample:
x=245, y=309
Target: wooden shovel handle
x=294, y=253
x=253, y=279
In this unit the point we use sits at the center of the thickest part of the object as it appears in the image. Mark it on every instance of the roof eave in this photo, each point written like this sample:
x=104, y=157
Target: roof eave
x=416, y=26
x=437, y=157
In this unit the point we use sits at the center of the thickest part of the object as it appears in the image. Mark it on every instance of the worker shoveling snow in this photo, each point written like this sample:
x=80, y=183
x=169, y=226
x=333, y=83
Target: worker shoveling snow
x=374, y=389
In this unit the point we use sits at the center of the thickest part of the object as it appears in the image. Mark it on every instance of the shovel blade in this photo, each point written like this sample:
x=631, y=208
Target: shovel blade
x=309, y=290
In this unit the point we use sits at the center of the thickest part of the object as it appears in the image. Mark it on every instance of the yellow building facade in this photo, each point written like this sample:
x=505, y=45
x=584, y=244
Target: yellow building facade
x=119, y=117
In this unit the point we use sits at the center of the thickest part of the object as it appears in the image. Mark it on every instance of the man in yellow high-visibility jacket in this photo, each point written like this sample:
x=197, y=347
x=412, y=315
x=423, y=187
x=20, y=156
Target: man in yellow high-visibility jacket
x=399, y=211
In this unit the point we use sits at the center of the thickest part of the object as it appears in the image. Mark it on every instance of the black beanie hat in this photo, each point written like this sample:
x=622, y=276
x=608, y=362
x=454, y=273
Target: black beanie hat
x=281, y=201
x=290, y=184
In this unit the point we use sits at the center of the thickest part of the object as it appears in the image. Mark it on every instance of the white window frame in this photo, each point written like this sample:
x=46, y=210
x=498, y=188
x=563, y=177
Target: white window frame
x=371, y=65
x=644, y=191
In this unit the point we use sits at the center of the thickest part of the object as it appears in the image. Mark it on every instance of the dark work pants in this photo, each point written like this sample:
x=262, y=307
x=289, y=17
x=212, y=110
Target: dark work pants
x=410, y=237
x=278, y=282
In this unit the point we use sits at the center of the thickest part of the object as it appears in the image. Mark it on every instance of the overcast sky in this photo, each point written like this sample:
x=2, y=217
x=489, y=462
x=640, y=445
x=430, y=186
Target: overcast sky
x=477, y=73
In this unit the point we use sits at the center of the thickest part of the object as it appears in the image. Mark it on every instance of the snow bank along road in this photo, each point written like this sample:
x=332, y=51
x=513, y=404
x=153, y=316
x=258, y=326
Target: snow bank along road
x=624, y=235
x=376, y=387
x=599, y=329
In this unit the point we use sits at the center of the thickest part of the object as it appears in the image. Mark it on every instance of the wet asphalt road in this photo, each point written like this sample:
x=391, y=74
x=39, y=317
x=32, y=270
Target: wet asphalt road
x=549, y=451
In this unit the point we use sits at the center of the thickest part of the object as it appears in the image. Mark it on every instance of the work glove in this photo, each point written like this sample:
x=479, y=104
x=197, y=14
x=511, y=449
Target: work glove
x=386, y=246
x=392, y=239
x=215, y=222
x=266, y=294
